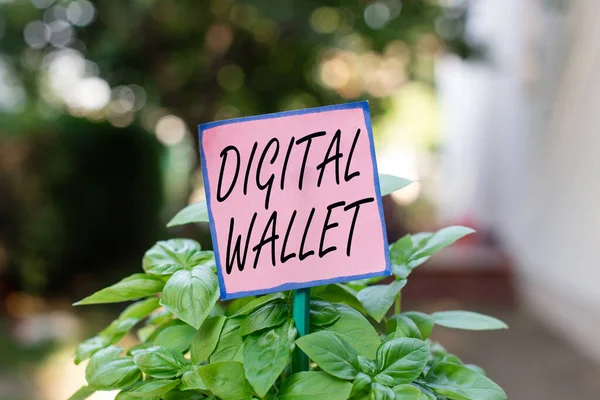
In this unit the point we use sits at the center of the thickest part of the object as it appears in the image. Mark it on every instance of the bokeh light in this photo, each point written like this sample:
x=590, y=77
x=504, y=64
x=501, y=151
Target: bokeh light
x=377, y=15
x=325, y=20
x=55, y=13
x=218, y=38
x=80, y=12
x=61, y=33
x=230, y=77
x=42, y=3
x=265, y=31
x=37, y=34
x=170, y=130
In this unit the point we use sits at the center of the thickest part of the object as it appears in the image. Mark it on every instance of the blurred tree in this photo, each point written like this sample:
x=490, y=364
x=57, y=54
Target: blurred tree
x=78, y=198
x=223, y=58
x=165, y=66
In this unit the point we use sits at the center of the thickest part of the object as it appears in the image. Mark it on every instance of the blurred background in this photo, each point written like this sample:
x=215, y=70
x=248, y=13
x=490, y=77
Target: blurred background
x=489, y=105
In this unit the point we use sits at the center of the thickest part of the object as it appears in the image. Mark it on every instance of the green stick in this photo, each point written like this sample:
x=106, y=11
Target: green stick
x=301, y=313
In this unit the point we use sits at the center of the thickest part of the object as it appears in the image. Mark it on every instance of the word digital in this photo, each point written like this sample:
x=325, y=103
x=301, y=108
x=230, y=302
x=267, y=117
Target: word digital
x=293, y=199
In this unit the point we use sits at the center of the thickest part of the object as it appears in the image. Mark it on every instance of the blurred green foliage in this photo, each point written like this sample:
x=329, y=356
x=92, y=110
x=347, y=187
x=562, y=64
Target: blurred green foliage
x=82, y=190
x=257, y=56
x=83, y=197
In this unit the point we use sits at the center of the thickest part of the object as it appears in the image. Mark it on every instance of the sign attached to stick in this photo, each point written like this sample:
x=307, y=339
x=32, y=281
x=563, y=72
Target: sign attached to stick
x=294, y=199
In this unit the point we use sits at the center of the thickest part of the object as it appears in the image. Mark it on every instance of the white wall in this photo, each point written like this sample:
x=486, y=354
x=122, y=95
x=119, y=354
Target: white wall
x=523, y=151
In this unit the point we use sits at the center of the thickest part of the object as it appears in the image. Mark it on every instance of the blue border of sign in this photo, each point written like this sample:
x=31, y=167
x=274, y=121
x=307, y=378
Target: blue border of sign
x=364, y=105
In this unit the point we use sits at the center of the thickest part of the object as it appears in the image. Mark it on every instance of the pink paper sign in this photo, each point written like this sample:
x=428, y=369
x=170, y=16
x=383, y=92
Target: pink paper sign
x=294, y=199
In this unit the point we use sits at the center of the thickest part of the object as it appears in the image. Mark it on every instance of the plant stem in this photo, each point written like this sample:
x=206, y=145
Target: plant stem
x=398, y=303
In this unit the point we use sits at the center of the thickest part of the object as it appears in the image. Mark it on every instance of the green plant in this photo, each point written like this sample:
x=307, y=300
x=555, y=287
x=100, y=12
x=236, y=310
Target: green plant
x=191, y=346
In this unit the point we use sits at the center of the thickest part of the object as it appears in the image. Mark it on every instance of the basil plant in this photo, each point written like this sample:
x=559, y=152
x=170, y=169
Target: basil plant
x=192, y=346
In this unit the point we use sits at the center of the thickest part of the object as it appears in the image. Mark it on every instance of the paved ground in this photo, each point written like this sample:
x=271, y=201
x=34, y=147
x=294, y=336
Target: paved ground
x=527, y=360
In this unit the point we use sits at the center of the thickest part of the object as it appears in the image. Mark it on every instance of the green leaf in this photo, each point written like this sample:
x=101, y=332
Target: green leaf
x=257, y=303
x=402, y=358
x=367, y=366
x=400, y=252
x=361, y=385
x=144, y=333
x=158, y=329
x=118, y=329
x=381, y=392
x=205, y=340
x=177, y=394
x=401, y=271
x=323, y=313
x=267, y=354
x=408, y=392
x=314, y=385
x=190, y=380
x=197, y=212
x=226, y=379
x=391, y=183
x=83, y=393
x=130, y=288
x=476, y=368
x=428, y=393
x=159, y=362
x=378, y=299
x=360, y=284
x=442, y=238
x=273, y=314
x=190, y=295
x=420, y=239
x=385, y=380
x=405, y=327
x=107, y=371
x=153, y=388
x=104, y=355
x=452, y=359
x=169, y=256
x=331, y=353
x=140, y=346
x=177, y=337
x=235, y=305
x=218, y=310
x=229, y=347
x=423, y=321
x=337, y=293
x=401, y=249
x=415, y=263
x=160, y=317
x=467, y=320
x=124, y=395
x=461, y=383
x=405, y=253
x=436, y=353
x=88, y=347
x=356, y=330
x=140, y=309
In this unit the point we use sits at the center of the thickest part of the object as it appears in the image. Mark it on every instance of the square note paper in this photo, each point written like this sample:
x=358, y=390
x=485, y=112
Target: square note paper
x=293, y=199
